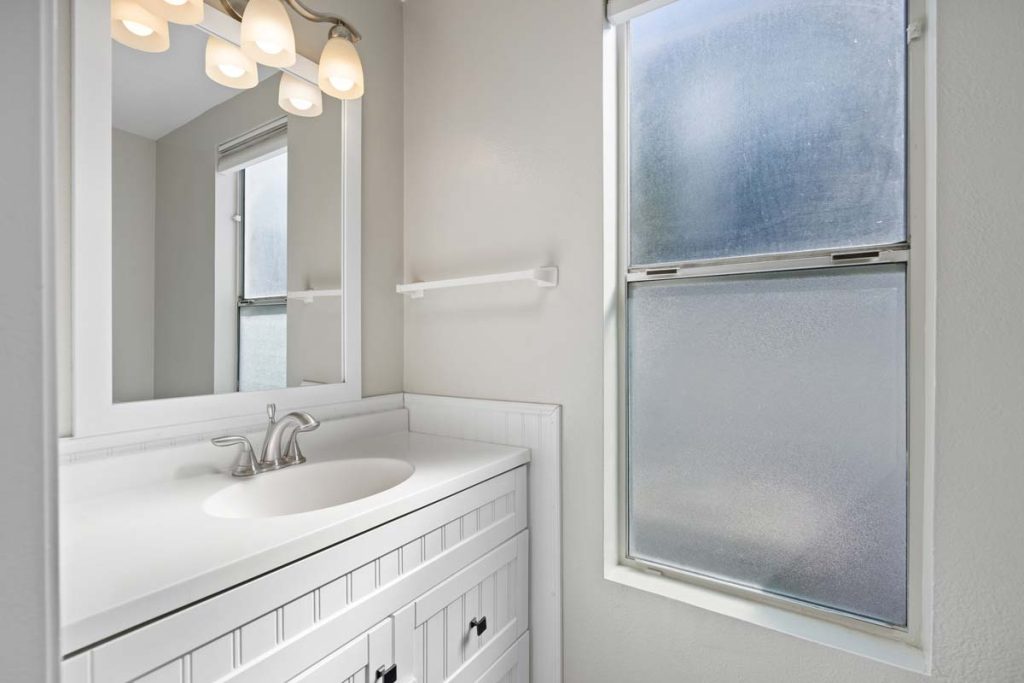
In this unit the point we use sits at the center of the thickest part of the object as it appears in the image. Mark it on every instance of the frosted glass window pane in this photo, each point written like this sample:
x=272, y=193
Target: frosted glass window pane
x=767, y=433
x=266, y=228
x=262, y=347
x=766, y=126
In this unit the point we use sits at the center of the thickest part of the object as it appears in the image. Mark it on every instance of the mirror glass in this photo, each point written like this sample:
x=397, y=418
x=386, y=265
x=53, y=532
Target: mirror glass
x=227, y=231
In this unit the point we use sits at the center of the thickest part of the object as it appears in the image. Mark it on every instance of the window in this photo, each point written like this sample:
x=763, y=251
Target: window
x=263, y=270
x=766, y=300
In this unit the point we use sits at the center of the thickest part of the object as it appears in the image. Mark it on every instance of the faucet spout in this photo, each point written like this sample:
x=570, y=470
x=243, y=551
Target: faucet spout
x=273, y=455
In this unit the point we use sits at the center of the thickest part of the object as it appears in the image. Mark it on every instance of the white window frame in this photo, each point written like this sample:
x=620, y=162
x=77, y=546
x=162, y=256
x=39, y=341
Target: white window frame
x=94, y=411
x=908, y=648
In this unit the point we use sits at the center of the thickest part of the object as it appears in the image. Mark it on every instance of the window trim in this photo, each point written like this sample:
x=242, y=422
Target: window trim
x=910, y=647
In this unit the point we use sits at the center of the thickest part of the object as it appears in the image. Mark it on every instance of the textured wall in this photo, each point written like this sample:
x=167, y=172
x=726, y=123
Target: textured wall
x=503, y=171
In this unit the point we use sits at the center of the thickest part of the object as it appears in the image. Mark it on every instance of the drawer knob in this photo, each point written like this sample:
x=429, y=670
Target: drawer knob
x=479, y=624
x=387, y=674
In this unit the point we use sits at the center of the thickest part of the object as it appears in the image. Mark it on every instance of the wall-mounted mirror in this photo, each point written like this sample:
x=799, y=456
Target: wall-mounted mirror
x=232, y=246
x=226, y=231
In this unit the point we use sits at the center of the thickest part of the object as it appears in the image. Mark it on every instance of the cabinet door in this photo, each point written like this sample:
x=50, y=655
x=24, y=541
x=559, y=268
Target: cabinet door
x=456, y=631
x=513, y=666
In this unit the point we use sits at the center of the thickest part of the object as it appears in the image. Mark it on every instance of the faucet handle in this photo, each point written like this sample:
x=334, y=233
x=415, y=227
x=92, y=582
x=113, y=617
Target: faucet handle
x=271, y=411
x=245, y=466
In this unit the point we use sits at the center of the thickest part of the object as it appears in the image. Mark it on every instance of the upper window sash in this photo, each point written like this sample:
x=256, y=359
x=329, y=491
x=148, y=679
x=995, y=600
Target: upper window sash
x=783, y=132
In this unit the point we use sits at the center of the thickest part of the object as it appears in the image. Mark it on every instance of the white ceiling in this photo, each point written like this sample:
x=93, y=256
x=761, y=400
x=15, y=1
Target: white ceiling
x=155, y=93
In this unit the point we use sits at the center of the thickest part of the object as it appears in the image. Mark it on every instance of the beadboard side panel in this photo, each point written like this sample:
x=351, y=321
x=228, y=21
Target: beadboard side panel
x=539, y=428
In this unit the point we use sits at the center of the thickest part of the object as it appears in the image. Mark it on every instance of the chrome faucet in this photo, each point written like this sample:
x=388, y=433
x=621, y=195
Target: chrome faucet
x=280, y=444
x=273, y=456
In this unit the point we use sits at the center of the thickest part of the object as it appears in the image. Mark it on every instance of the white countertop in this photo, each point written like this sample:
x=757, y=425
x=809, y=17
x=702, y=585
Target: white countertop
x=131, y=555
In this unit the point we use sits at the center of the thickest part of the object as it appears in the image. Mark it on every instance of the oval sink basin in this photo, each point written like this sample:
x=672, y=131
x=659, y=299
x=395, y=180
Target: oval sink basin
x=307, y=487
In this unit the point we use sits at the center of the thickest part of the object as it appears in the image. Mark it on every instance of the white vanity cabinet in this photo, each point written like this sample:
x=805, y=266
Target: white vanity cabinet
x=402, y=594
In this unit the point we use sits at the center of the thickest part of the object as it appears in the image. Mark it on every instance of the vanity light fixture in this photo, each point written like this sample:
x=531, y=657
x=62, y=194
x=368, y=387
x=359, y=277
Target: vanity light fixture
x=178, y=11
x=134, y=26
x=266, y=37
x=299, y=97
x=267, y=33
x=228, y=65
x=341, y=70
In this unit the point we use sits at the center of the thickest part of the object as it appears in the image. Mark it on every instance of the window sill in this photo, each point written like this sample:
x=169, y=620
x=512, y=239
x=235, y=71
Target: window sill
x=885, y=650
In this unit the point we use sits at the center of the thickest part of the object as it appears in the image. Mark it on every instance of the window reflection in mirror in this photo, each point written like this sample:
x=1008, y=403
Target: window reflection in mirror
x=226, y=214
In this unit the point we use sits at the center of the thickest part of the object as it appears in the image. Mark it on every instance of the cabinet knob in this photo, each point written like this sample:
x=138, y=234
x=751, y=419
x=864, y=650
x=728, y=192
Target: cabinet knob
x=387, y=674
x=479, y=624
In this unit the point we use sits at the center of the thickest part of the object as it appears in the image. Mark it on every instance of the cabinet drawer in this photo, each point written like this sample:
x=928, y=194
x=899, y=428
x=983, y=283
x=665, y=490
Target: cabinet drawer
x=448, y=644
x=358, y=660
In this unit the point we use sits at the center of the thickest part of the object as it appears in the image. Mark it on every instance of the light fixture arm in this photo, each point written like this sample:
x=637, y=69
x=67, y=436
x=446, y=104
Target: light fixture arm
x=230, y=9
x=341, y=28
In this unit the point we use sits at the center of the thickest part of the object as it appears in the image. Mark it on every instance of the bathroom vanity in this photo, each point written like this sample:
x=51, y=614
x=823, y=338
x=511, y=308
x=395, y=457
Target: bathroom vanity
x=425, y=581
x=400, y=551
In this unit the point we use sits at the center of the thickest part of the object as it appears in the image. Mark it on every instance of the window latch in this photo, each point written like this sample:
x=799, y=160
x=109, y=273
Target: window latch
x=856, y=256
x=661, y=271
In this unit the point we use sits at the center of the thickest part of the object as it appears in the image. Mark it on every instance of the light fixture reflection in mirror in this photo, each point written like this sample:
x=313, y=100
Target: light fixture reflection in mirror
x=267, y=35
x=134, y=26
x=228, y=65
x=298, y=97
x=177, y=11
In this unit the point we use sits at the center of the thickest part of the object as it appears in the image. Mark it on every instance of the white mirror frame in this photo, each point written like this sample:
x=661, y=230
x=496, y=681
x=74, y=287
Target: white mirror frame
x=94, y=410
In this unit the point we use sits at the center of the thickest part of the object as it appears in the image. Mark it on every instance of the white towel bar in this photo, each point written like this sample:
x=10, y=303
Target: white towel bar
x=544, y=277
x=307, y=295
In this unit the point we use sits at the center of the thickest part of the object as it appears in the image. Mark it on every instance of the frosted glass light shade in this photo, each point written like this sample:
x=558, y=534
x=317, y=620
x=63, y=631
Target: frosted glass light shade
x=299, y=97
x=136, y=27
x=267, y=33
x=178, y=11
x=341, y=70
x=227, y=65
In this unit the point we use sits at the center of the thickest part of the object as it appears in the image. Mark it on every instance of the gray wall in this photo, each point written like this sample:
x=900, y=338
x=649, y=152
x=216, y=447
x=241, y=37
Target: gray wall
x=134, y=234
x=28, y=487
x=503, y=171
